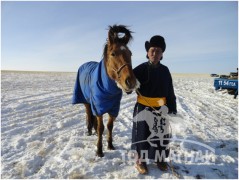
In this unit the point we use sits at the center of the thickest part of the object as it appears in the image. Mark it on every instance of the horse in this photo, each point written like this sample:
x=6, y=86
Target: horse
x=99, y=85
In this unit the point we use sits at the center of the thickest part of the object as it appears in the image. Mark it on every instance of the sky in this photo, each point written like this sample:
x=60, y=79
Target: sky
x=201, y=37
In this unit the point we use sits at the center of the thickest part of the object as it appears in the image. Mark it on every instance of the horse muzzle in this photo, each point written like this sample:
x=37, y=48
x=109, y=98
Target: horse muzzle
x=131, y=84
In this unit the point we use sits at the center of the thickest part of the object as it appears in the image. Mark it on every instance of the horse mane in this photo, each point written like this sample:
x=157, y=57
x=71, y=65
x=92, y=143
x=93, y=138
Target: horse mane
x=114, y=38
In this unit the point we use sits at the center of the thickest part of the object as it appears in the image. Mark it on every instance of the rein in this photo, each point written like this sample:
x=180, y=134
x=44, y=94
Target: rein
x=120, y=69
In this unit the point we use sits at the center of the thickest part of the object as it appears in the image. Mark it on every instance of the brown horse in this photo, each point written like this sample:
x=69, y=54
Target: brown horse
x=99, y=85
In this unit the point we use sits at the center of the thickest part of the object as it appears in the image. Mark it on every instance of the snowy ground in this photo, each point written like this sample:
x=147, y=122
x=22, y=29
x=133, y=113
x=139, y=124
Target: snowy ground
x=43, y=135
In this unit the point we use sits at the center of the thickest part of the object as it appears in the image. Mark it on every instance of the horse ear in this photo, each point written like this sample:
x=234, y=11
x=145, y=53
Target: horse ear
x=111, y=35
x=114, y=34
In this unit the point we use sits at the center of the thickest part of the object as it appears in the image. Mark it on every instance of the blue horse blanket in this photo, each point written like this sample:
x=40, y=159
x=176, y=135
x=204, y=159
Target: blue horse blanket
x=93, y=86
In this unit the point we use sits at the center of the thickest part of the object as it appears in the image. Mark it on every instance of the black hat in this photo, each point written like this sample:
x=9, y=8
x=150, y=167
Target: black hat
x=155, y=41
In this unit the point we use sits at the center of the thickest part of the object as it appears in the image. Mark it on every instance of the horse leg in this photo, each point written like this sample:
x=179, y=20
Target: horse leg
x=95, y=123
x=110, y=126
x=89, y=119
x=100, y=130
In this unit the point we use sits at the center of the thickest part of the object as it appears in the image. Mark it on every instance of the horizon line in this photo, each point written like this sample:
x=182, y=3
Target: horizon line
x=46, y=71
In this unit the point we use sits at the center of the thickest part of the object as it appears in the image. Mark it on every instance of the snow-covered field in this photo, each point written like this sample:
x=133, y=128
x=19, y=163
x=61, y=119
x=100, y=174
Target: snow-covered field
x=44, y=136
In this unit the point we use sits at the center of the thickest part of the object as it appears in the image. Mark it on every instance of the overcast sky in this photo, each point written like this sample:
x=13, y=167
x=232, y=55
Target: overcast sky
x=201, y=37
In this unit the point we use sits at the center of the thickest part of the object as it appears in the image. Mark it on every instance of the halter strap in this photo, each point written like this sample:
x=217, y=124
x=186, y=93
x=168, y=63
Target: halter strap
x=120, y=69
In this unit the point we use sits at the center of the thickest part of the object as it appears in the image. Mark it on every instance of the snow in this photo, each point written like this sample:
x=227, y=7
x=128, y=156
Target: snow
x=44, y=136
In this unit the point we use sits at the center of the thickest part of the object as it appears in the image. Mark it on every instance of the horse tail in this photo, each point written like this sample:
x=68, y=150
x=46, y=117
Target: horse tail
x=114, y=31
x=76, y=94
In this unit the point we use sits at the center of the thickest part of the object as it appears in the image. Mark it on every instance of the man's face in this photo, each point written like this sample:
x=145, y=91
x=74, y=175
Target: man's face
x=155, y=54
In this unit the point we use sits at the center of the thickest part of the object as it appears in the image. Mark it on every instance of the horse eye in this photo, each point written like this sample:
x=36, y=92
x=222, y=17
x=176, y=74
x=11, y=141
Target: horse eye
x=112, y=54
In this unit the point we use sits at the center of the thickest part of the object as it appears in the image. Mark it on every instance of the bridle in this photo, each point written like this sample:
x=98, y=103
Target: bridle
x=120, y=69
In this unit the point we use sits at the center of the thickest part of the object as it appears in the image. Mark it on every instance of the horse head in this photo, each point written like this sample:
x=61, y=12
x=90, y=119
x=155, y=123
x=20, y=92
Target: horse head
x=117, y=58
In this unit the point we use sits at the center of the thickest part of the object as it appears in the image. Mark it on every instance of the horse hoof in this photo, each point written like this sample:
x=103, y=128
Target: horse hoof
x=111, y=147
x=89, y=133
x=100, y=154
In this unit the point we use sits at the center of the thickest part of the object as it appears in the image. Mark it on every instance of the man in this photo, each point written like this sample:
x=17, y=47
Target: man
x=156, y=86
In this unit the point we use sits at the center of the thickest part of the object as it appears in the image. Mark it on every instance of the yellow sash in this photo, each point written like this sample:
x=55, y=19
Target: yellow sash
x=154, y=102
